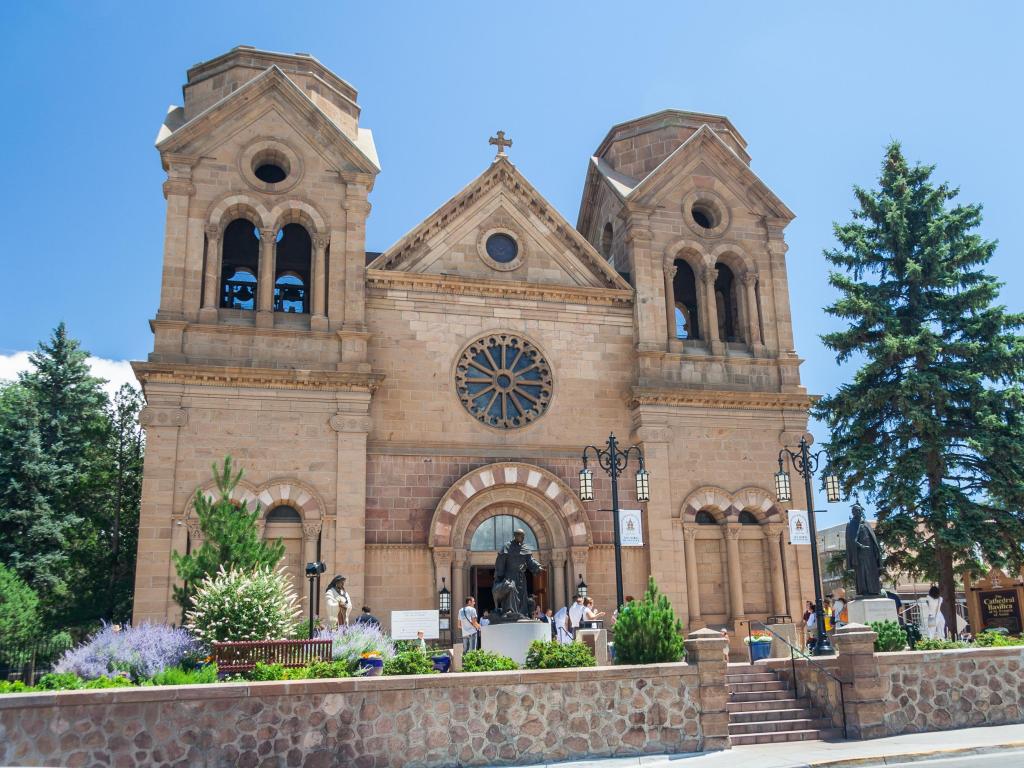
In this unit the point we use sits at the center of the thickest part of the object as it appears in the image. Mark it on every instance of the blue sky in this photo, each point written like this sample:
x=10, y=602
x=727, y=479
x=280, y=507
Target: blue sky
x=817, y=89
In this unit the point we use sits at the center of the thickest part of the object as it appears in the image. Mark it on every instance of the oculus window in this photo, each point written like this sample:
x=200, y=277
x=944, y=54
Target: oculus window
x=503, y=381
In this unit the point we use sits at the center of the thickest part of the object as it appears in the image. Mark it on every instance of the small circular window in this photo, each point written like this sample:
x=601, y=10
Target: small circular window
x=270, y=173
x=502, y=248
x=270, y=166
x=704, y=215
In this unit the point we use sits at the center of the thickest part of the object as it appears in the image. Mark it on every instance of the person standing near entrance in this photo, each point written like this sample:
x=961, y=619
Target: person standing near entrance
x=469, y=625
x=576, y=611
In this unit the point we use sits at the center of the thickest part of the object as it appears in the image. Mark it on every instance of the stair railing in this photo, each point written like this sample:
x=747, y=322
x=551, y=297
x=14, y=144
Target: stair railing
x=793, y=653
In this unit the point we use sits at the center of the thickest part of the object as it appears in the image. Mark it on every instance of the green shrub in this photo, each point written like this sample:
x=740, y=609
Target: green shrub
x=929, y=644
x=991, y=639
x=486, y=661
x=179, y=676
x=891, y=636
x=14, y=686
x=544, y=654
x=19, y=609
x=326, y=669
x=59, y=681
x=244, y=605
x=109, y=682
x=647, y=631
x=409, y=663
x=264, y=672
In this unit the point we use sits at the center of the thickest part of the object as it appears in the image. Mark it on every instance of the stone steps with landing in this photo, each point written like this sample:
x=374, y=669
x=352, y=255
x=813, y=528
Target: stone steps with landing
x=764, y=709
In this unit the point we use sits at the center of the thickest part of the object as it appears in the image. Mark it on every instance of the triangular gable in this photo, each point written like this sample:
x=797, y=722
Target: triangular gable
x=504, y=176
x=361, y=153
x=707, y=141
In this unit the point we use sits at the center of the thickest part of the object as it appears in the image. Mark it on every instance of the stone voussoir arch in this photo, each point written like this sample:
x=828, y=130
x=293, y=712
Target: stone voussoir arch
x=294, y=493
x=689, y=250
x=297, y=211
x=733, y=256
x=463, y=501
x=237, y=206
x=727, y=506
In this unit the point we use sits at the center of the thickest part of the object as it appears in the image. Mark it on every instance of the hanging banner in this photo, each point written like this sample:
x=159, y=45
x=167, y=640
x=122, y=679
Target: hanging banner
x=631, y=529
x=799, y=527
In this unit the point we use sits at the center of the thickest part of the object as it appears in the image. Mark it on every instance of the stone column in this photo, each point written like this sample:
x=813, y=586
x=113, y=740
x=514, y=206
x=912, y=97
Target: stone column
x=647, y=274
x=732, y=550
x=705, y=649
x=753, y=326
x=310, y=537
x=357, y=208
x=178, y=190
x=579, y=567
x=352, y=423
x=268, y=270
x=559, y=595
x=318, y=321
x=458, y=587
x=670, y=303
x=773, y=533
x=715, y=346
x=692, y=578
x=211, y=276
x=866, y=691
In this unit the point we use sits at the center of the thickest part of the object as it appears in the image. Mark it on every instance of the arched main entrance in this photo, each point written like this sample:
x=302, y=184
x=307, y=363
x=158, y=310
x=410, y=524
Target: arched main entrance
x=477, y=516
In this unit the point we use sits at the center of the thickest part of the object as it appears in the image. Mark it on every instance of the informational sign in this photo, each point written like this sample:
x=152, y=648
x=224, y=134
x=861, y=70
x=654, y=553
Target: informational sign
x=799, y=527
x=631, y=529
x=405, y=625
x=1000, y=608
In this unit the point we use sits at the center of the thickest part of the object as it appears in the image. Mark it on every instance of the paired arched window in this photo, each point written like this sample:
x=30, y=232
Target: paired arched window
x=684, y=288
x=606, y=241
x=705, y=518
x=495, y=532
x=748, y=518
x=284, y=513
x=294, y=262
x=726, y=303
x=240, y=267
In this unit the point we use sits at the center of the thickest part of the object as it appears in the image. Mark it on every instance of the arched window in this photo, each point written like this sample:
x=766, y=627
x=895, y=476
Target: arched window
x=494, y=533
x=748, y=518
x=240, y=266
x=606, y=241
x=294, y=257
x=726, y=304
x=283, y=514
x=684, y=286
x=705, y=518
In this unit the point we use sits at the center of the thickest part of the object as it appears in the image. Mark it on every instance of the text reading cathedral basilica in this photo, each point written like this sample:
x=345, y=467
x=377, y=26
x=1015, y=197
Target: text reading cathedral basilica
x=398, y=414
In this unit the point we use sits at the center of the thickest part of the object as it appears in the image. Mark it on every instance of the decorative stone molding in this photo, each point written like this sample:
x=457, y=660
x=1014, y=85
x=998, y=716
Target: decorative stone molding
x=773, y=531
x=320, y=242
x=213, y=232
x=690, y=532
x=749, y=278
x=295, y=494
x=227, y=209
x=348, y=422
x=727, y=506
x=713, y=201
x=311, y=531
x=257, y=378
x=195, y=533
x=709, y=398
x=156, y=416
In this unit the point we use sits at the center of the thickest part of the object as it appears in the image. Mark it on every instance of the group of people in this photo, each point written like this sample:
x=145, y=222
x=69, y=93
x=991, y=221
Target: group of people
x=564, y=624
x=339, y=606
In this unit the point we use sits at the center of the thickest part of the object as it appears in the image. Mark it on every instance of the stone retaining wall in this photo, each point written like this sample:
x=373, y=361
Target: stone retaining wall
x=426, y=720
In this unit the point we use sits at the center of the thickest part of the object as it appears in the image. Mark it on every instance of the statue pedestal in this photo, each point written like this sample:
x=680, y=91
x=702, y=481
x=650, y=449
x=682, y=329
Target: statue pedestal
x=597, y=641
x=513, y=639
x=868, y=609
x=779, y=648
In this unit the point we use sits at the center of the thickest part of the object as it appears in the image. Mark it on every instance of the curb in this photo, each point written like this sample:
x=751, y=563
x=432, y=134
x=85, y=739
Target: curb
x=913, y=757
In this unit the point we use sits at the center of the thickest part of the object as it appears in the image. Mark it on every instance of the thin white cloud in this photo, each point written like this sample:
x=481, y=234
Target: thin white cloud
x=116, y=372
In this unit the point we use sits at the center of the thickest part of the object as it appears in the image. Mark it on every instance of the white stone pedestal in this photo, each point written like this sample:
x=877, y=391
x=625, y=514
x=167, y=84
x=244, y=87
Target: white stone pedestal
x=864, y=611
x=513, y=639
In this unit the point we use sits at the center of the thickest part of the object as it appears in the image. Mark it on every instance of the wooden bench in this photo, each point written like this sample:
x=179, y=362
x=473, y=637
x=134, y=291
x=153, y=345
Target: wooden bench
x=243, y=655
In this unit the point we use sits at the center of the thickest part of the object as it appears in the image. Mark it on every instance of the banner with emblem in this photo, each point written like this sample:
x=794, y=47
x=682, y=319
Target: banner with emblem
x=799, y=527
x=631, y=529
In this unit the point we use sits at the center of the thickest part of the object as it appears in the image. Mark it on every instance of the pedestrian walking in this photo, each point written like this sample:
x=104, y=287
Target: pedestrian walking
x=470, y=626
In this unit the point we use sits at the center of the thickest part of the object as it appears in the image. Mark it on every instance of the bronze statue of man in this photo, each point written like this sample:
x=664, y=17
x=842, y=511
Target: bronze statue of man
x=511, y=600
x=863, y=554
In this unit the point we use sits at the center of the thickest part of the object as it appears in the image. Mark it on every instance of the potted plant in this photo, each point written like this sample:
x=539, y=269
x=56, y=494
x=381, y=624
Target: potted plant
x=760, y=643
x=371, y=663
x=442, y=661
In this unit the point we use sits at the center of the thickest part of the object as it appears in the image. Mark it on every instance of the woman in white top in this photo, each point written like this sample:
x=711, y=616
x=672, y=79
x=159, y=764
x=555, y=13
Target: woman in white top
x=339, y=603
x=589, y=614
x=934, y=622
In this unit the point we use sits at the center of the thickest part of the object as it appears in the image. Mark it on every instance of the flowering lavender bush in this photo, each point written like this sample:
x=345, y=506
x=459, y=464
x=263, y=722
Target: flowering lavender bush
x=138, y=652
x=351, y=642
x=244, y=605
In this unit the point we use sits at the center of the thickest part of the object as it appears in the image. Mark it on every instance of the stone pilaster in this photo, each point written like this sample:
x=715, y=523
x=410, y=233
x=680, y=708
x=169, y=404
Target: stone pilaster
x=178, y=191
x=318, y=321
x=692, y=577
x=708, y=277
x=773, y=535
x=352, y=423
x=211, y=275
x=670, y=304
x=753, y=325
x=732, y=551
x=268, y=272
x=865, y=705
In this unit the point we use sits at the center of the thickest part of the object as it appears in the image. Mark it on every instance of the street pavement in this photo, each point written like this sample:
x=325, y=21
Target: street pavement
x=1001, y=745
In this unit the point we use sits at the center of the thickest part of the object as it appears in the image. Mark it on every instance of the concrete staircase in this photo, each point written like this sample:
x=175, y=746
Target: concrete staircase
x=763, y=709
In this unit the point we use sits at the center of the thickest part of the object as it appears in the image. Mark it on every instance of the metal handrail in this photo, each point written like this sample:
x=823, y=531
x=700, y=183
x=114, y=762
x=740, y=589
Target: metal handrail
x=792, y=661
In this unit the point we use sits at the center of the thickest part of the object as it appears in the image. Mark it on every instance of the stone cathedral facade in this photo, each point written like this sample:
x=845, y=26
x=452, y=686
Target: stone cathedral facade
x=398, y=413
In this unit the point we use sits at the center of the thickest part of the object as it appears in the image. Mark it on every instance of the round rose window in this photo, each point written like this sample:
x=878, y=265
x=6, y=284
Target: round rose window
x=504, y=381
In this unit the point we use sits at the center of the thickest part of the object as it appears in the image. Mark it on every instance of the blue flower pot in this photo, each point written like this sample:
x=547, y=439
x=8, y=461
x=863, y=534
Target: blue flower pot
x=760, y=651
x=441, y=663
x=372, y=667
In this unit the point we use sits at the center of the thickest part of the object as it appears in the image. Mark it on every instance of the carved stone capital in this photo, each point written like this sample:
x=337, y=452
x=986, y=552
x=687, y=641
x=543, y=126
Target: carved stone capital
x=155, y=416
x=773, y=531
x=709, y=275
x=310, y=531
x=558, y=556
x=268, y=236
x=443, y=557
x=670, y=271
x=194, y=531
x=348, y=422
x=320, y=242
x=732, y=531
x=690, y=532
x=212, y=232
x=181, y=187
x=749, y=278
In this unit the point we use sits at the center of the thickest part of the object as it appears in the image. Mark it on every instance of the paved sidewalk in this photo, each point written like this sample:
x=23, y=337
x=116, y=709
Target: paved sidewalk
x=833, y=754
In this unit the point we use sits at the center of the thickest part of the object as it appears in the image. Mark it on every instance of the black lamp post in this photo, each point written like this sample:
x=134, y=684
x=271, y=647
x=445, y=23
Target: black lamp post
x=313, y=571
x=806, y=464
x=444, y=604
x=614, y=460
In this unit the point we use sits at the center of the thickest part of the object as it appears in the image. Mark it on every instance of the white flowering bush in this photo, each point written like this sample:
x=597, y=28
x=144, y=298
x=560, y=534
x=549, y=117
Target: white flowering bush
x=244, y=605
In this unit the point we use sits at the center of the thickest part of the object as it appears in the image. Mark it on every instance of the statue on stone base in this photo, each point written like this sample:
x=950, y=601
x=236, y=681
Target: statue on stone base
x=511, y=599
x=863, y=554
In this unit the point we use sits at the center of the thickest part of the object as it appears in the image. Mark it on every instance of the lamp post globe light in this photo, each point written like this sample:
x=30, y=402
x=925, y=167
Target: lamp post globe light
x=806, y=464
x=614, y=460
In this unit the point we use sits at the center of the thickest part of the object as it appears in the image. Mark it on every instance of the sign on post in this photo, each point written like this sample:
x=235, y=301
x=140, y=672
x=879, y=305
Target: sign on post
x=631, y=529
x=1000, y=608
x=405, y=625
x=799, y=526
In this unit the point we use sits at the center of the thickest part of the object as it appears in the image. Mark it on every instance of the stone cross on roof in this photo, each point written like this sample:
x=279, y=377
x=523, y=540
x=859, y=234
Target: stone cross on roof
x=500, y=142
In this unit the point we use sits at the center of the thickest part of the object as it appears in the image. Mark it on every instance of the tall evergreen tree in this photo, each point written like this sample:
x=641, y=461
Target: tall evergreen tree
x=230, y=537
x=932, y=425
